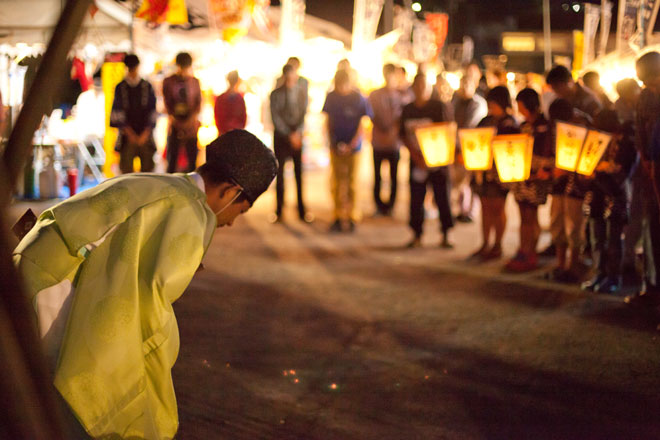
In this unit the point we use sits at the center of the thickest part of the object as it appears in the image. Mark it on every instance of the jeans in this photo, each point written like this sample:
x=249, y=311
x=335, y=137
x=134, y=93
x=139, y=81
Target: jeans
x=439, y=181
x=607, y=246
x=392, y=157
x=283, y=152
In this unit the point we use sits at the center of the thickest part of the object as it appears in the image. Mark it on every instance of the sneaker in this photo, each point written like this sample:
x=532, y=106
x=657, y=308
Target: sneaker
x=275, y=218
x=307, y=217
x=593, y=283
x=550, y=251
x=351, y=226
x=522, y=263
x=464, y=218
x=609, y=285
x=414, y=243
x=445, y=243
x=493, y=253
x=479, y=253
x=336, y=226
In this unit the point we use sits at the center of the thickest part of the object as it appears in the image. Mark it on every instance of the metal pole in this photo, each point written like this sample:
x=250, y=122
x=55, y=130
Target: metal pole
x=28, y=400
x=547, y=36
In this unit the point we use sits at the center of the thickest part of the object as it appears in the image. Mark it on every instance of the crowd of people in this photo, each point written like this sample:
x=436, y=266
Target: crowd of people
x=609, y=219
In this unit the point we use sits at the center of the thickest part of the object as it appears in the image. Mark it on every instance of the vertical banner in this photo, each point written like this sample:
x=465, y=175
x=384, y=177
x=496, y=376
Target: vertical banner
x=439, y=25
x=578, y=50
x=591, y=20
x=423, y=42
x=636, y=21
x=292, y=21
x=605, y=23
x=366, y=14
x=112, y=73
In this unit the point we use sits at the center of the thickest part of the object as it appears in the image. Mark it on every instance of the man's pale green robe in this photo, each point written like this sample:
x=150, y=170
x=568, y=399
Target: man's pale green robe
x=113, y=259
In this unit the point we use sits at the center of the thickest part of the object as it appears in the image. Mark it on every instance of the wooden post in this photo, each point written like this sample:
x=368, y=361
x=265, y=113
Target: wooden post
x=28, y=401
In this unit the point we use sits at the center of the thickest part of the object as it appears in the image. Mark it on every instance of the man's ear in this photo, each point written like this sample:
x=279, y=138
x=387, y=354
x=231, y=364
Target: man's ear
x=224, y=188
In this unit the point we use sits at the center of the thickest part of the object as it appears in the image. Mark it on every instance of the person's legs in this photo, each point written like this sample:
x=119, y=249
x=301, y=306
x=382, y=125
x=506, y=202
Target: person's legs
x=351, y=188
x=297, y=168
x=614, y=267
x=487, y=222
x=378, y=160
x=146, y=153
x=575, y=230
x=335, y=174
x=191, y=154
x=393, y=159
x=126, y=156
x=417, y=196
x=280, y=147
x=499, y=220
x=599, y=254
x=440, y=181
x=634, y=228
x=558, y=230
x=172, y=150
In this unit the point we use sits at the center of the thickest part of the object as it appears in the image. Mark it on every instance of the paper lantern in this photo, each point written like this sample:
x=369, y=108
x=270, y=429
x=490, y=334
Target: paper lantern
x=570, y=138
x=592, y=151
x=475, y=145
x=438, y=143
x=579, y=149
x=513, y=156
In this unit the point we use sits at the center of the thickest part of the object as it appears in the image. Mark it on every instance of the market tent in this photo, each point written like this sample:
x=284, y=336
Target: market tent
x=32, y=21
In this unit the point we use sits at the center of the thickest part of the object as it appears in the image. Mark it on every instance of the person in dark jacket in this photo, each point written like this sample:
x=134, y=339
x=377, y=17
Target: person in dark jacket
x=607, y=204
x=134, y=114
x=288, y=106
x=423, y=111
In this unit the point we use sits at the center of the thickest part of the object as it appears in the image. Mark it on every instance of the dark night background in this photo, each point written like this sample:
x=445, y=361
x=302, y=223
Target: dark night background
x=483, y=20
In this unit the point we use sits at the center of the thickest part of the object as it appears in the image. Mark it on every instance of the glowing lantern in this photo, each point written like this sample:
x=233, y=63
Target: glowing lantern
x=570, y=138
x=579, y=149
x=438, y=143
x=513, y=156
x=594, y=147
x=475, y=145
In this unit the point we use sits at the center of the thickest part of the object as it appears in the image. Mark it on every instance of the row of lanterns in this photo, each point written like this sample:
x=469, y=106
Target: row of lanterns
x=578, y=149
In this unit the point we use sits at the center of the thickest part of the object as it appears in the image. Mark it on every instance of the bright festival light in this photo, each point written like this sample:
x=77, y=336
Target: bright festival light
x=416, y=7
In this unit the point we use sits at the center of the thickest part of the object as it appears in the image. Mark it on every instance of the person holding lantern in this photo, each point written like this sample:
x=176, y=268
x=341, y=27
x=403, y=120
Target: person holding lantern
x=607, y=204
x=486, y=184
x=566, y=217
x=423, y=111
x=533, y=192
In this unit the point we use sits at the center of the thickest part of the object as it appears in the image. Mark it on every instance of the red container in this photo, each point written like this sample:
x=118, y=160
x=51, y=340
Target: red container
x=72, y=177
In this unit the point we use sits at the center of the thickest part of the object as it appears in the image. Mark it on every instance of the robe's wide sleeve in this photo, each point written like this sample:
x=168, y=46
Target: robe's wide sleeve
x=122, y=338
